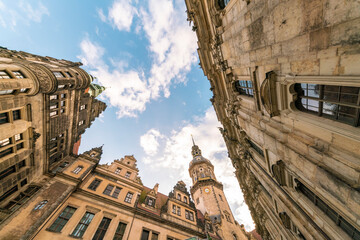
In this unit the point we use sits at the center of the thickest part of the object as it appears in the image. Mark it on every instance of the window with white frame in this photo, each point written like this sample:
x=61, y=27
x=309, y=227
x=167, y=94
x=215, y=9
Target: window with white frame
x=78, y=169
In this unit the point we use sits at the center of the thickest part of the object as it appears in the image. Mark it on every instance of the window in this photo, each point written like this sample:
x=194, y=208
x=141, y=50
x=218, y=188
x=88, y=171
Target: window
x=40, y=205
x=185, y=200
x=145, y=234
x=197, y=201
x=4, y=118
x=78, y=169
x=63, y=218
x=7, y=172
x=53, y=97
x=94, y=184
x=256, y=148
x=179, y=196
x=53, y=113
x=117, y=171
x=120, y=231
x=21, y=164
x=68, y=74
x=6, y=152
x=63, y=103
x=108, y=189
x=154, y=236
x=100, y=232
x=150, y=201
x=221, y=197
x=244, y=87
x=18, y=74
x=128, y=174
x=56, y=105
x=8, y=193
x=4, y=92
x=23, y=182
x=234, y=237
x=178, y=211
x=333, y=215
x=16, y=115
x=340, y=103
x=174, y=209
x=191, y=215
x=81, y=122
x=116, y=192
x=18, y=137
x=16, y=203
x=63, y=95
x=128, y=197
x=223, y=3
x=83, y=225
x=186, y=214
x=19, y=146
x=5, y=142
x=4, y=75
x=23, y=90
x=82, y=107
x=59, y=74
x=61, y=86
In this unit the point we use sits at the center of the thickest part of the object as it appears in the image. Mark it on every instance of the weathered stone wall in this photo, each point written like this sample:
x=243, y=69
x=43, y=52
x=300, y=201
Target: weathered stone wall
x=275, y=44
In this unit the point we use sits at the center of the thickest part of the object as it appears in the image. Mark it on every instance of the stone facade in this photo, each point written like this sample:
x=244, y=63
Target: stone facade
x=285, y=77
x=44, y=109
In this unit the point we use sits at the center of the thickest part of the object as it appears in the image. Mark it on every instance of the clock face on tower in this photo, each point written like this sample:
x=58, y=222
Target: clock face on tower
x=207, y=190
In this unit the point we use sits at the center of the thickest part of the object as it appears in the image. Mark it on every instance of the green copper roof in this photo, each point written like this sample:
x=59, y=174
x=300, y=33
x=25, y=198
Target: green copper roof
x=95, y=89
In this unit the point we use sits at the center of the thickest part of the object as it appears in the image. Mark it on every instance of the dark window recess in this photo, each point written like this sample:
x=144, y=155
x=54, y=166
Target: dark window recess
x=100, y=232
x=223, y=3
x=16, y=115
x=6, y=152
x=19, y=146
x=23, y=182
x=94, y=184
x=145, y=234
x=120, y=230
x=244, y=87
x=8, y=193
x=256, y=148
x=7, y=172
x=21, y=164
x=332, y=214
x=108, y=189
x=83, y=225
x=63, y=218
x=339, y=103
x=154, y=236
x=4, y=118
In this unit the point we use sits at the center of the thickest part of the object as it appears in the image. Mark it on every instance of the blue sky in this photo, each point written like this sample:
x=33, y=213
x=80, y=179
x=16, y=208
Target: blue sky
x=144, y=53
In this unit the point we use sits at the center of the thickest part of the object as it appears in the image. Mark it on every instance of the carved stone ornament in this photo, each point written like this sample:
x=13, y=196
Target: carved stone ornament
x=279, y=172
x=45, y=77
x=268, y=94
x=285, y=220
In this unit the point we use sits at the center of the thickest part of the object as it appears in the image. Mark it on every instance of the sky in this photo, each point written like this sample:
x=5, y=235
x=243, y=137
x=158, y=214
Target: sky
x=145, y=54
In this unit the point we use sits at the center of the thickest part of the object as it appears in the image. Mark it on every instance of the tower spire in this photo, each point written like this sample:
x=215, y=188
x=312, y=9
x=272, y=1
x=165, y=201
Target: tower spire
x=193, y=140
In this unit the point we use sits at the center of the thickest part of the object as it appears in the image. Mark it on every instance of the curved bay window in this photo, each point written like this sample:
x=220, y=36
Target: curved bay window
x=244, y=87
x=340, y=103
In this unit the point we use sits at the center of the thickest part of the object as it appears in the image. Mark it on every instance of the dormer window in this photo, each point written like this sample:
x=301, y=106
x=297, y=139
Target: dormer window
x=117, y=171
x=179, y=196
x=150, y=201
x=185, y=200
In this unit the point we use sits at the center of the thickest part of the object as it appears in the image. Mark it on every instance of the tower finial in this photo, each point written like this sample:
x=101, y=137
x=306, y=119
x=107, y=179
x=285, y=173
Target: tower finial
x=193, y=140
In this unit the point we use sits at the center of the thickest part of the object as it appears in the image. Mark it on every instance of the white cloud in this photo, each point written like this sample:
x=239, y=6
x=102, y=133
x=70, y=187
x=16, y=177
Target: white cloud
x=34, y=13
x=150, y=142
x=172, y=47
x=24, y=14
x=120, y=15
x=176, y=155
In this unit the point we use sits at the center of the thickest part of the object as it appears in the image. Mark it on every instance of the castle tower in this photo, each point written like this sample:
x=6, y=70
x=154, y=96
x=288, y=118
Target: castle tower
x=210, y=199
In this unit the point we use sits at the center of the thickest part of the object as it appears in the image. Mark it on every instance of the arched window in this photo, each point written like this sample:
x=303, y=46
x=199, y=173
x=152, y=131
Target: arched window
x=340, y=103
x=234, y=236
x=40, y=205
x=185, y=200
x=179, y=197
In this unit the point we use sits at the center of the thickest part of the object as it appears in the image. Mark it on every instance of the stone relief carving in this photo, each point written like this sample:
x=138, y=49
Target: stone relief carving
x=46, y=79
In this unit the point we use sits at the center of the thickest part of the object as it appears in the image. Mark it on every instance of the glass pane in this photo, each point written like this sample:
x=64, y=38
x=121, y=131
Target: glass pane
x=331, y=96
x=347, y=110
x=312, y=93
x=349, y=98
x=353, y=90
